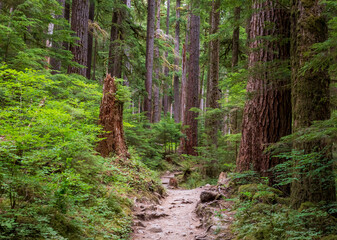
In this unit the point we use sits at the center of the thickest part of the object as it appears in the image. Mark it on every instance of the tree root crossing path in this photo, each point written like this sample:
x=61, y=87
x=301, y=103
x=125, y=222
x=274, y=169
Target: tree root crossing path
x=175, y=218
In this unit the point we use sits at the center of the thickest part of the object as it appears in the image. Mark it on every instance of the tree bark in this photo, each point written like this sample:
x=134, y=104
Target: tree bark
x=156, y=110
x=90, y=38
x=111, y=119
x=56, y=63
x=236, y=37
x=177, y=100
x=236, y=113
x=79, y=24
x=184, y=67
x=213, y=91
x=267, y=116
x=151, y=12
x=311, y=102
x=190, y=124
x=115, y=52
x=66, y=17
x=166, y=70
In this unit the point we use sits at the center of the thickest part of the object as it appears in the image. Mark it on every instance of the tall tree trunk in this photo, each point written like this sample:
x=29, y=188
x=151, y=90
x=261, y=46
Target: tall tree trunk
x=79, y=24
x=94, y=60
x=56, y=63
x=156, y=110
x=111, y=118
x=213, y=91
x=311, y=102
x=190, y=124
x=236, y=37
x=166, y=70
x=236, y=113
x=184, y=73
x=90, y=38
x=127, y=53
x=267, y=116
x=66, y=17
x=151, y=12
x=115, y=52
x=177, y=100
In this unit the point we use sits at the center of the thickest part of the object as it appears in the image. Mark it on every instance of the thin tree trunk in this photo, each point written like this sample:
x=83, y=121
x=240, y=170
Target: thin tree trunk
x=95, y=60
x=190, y=124
x=90, y=38
x=267, y=116
x=213, y=91
x=177, y=99
x=151, y=12
x=236, y=37
x=127, y=53
x=311, y=102
x=111, y=118
x=56, y=63
x=156, y=110
x=166, y=70
x=184, y=73
x=79, y=24
x=115, y=52
x=236, y=113
x=66, y=17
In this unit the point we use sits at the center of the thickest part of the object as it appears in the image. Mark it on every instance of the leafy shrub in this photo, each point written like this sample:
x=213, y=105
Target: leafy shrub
x=53, y=185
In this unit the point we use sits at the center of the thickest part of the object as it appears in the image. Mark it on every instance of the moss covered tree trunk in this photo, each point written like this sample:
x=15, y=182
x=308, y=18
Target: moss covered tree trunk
x=267, y=113
x=311, y=102
x=111, y=118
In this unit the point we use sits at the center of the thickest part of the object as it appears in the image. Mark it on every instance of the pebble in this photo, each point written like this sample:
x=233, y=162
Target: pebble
x=156, y=229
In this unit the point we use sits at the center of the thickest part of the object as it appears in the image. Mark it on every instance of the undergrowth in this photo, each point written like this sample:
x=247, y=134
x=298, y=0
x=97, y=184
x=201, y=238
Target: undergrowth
x=53, y=185
x=265, y=213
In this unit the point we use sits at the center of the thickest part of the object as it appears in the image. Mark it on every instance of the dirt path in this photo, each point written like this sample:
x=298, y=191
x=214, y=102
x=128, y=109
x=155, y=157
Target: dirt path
x=174, y=219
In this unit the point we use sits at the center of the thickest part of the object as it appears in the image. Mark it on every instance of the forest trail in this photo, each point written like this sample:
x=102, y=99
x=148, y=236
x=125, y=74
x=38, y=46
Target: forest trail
x=176, y=216
x=174, y=219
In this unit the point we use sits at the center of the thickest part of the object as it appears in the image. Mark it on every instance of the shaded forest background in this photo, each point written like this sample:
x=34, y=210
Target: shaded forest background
x=207, y=86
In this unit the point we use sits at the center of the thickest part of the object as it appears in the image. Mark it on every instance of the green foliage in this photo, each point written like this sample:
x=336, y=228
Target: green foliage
x=151, y=143
x=262, y=213
x=53, y=185
x=23, y=33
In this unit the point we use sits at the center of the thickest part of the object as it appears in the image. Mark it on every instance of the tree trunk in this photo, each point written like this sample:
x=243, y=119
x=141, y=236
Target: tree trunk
x=177, y=100
x=236, y=37
x=166, y=70
x=267, y=116
x=311, y=102
x=213, y=91
x=66, y=17
x=111, y=118
x=151, y=12
x=90, y=38
x=115, y=52
x=236, y=113
x=56, y=63
x=79, y=24
x=184, y=73
x=156, y=110
x=190, y=124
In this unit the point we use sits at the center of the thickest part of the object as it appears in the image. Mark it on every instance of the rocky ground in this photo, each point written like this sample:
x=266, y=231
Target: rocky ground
x=196, y=214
